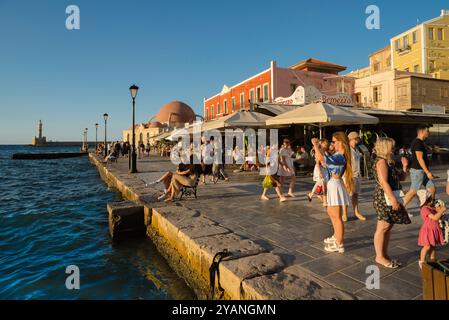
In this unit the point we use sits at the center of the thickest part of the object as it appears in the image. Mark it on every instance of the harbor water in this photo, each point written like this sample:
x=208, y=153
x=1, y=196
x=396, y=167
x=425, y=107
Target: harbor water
x=53, y=215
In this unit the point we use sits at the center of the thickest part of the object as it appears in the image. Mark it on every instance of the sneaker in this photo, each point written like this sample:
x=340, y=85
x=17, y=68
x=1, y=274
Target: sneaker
x=329, y=240
x=334, y=247
x=151, y=183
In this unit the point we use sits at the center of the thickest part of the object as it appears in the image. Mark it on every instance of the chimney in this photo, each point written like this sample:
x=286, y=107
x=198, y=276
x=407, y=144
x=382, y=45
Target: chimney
x=444, y=12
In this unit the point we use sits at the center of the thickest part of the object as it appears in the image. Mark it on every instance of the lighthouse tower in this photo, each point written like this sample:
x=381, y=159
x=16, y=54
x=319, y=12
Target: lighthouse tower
x=39, y=140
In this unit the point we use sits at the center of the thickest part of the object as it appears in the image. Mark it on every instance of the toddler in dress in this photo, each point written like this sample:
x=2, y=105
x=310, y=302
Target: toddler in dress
x=430, y=234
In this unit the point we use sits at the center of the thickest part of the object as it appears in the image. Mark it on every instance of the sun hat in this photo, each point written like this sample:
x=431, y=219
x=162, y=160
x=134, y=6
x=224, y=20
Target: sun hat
x=423, y=195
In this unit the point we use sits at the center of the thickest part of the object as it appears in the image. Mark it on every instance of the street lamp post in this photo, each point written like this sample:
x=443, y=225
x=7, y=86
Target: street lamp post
x=85, y=139
x=105, y=116
x=96, y=137
x=133, y=90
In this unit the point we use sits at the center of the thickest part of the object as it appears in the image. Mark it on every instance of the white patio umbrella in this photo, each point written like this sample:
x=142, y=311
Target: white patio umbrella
x=240, y=119
x=322, y=115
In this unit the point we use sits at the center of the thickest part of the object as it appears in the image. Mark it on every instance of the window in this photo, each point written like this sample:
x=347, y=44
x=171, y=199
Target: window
x=444, y=93
x=377, y=94
x=405, y=42
x=258, y=94
x=233, y=104
x=440, y=34
x=376, y=66
x=388, y=61
x=431, y=65
x=212, y=112
x=225, y=106
x=251, y=95
x=242, y=100
x=401, y=92
x=206, y=113
x=431, y=34
x=293, y=87
x=415, y=36
x=265, y=93
x=397, y=44
x=416, y=68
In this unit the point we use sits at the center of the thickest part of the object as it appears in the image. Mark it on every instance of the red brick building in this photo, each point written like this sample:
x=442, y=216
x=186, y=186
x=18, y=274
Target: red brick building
x=276, y=82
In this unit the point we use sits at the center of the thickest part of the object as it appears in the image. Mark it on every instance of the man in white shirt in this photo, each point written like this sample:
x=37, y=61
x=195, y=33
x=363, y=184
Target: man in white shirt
x=354, y=140
x=207, y=158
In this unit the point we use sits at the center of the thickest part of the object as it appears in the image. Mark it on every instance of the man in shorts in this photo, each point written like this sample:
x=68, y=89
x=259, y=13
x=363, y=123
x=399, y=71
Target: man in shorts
x=420, y=174
x=354, y=140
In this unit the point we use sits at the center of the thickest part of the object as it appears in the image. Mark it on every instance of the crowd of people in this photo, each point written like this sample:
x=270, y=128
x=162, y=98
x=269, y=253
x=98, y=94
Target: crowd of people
x=337, y=182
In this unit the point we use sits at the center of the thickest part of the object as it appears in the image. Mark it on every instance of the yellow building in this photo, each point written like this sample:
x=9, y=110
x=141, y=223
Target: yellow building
x=423, y=48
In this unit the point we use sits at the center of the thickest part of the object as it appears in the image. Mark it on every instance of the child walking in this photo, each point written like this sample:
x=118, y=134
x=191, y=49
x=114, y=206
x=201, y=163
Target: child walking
x=430, y=234
x=318, y=188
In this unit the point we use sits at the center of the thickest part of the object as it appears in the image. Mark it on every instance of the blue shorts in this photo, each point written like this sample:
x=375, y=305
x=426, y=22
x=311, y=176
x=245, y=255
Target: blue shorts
x=419, y=178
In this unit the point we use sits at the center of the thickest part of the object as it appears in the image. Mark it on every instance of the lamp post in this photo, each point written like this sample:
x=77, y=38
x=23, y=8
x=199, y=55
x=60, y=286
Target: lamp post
x=105, y=116
x=85, y=139
x=96, y=137
x=133, y=90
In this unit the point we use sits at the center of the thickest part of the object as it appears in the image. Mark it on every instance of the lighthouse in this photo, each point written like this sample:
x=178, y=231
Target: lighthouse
x=39, y=140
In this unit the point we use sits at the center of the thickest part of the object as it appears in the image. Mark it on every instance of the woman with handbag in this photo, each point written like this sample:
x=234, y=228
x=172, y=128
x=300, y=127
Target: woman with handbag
x=271, y=180
x=388, y=199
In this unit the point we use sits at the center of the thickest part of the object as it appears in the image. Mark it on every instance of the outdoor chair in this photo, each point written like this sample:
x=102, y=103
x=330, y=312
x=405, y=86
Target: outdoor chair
x=189, y=191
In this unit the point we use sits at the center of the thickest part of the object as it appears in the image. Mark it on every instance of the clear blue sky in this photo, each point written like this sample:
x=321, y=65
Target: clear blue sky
x=174, y=50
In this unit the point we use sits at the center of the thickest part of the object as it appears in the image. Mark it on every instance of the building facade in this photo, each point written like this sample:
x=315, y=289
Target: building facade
x=402, y=91
x=173, y=115
x=421, y=49
x=275, y=84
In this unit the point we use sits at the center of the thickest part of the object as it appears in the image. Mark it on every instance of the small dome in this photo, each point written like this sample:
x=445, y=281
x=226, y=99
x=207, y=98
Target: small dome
x=155, y=124
x=176, y=113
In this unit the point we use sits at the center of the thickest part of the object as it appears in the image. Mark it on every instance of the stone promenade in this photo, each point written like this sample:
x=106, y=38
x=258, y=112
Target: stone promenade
x=295, y=229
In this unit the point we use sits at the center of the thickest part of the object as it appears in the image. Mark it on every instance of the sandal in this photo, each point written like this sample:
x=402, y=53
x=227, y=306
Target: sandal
x=397, y=262
x=390, y=265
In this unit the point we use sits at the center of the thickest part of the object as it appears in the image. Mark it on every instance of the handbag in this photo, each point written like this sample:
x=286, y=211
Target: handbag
x=399, y=194
x=267, y=183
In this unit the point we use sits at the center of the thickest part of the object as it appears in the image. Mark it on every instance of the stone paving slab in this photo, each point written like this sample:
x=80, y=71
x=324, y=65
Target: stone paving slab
x=294, y=230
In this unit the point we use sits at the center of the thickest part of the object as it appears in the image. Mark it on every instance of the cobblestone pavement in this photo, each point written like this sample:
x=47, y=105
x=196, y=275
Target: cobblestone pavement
x=296, y=228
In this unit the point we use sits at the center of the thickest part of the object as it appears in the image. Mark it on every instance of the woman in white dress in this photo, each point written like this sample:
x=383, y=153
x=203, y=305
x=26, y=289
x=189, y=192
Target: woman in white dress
x=338, y=166
x=286, y=166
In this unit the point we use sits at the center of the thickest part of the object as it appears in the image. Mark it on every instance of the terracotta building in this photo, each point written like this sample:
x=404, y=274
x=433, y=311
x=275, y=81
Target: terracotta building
x=171, y=116
x=308, y=78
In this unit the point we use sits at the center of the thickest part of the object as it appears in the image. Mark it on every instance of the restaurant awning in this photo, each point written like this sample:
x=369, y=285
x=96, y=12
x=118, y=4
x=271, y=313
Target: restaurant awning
x=405, y=117
x=240, y=119
x=274, y=109
x=321, y=115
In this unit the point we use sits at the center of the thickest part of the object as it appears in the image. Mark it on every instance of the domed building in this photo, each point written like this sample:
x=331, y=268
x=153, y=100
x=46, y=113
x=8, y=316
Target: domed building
x=173, y=115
